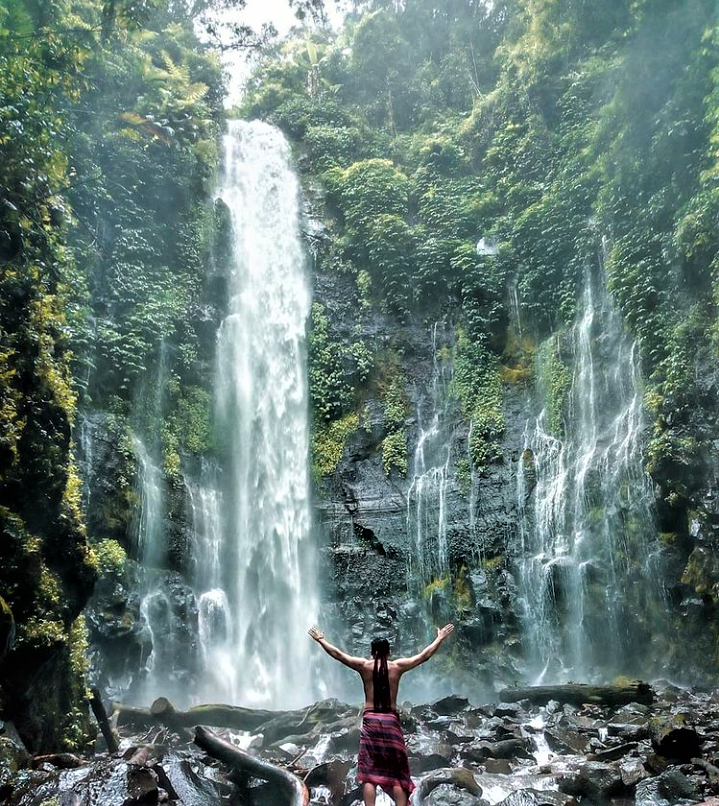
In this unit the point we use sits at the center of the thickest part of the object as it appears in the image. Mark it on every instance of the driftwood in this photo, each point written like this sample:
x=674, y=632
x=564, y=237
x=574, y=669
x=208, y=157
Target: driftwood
x=322, y=717
x=63, y=761
x=293, y=789
x=98, y=709
x=217, y=716
x=579, y=693
x=460, y=777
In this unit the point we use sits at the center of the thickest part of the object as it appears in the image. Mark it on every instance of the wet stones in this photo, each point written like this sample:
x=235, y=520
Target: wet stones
x=632, y=772
x=668, y=789
x=598, y=781
x=536, y=797
x=565, y=740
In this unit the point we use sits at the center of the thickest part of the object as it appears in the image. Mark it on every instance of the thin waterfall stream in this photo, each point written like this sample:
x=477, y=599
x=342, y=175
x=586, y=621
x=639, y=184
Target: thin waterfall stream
x=587, y=539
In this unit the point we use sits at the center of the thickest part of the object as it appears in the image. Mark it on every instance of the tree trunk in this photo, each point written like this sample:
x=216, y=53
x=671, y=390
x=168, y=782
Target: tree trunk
x=101, y=716
x=294, y=791
x=217, y=716
x=579, y=693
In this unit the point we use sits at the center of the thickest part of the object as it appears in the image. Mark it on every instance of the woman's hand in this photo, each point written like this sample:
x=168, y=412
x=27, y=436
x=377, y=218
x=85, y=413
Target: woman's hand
x=316, y=633
x=443, y=632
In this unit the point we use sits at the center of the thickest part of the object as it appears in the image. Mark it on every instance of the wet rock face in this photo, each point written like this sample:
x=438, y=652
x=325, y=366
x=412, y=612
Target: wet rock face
x=120, y=630
x=368, y=520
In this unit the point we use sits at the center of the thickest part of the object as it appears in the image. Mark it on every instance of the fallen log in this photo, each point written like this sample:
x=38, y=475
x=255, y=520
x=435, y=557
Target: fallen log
x=675, y=739
x=63, y=761
x=98, y=709
x=580, y=693
x=460, y=777
x=218, y=716
x=292, y=788
x=325, y=716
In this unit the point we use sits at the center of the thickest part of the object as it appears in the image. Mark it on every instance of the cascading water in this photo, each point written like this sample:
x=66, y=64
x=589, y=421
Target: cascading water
x=255, y=568
x=587, y=551
x=427, y=495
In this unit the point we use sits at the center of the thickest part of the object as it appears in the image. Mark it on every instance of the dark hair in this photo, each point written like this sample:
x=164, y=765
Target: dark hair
x=380, y=675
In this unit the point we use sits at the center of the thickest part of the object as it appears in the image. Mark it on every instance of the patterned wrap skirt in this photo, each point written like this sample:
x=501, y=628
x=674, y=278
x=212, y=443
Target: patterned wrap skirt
x=382, y=757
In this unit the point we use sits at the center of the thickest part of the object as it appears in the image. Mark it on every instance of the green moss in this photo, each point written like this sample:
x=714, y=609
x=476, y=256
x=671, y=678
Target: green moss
x=493, y=563
x=462, y=591
x=72, y=497
x=435, y=586
x=394, y=452
x=463, y=474
x=557, y=379
x=395, y=401
x=364, y=288
x=478, y=386
x=702, y=573
x=515, y=376
x=50, y=588
x=192, y=420
x=111, y=557
x=42, y=632
x=328, y=443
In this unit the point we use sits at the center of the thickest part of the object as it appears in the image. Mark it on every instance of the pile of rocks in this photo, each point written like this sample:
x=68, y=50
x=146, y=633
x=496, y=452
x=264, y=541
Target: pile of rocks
x=511, y=754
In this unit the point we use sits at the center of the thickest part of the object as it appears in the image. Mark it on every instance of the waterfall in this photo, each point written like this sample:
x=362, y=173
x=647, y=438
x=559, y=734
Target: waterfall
x=427, y=495
x=254, y=560
x=587, y=551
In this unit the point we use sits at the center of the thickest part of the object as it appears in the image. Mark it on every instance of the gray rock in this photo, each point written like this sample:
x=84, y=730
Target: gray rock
x=536, y=797
x=615, y=753
x=184, y=777
x=632, y=771
x=565, y=740
x=599, y=781
x=446, y=795
x=668, y=789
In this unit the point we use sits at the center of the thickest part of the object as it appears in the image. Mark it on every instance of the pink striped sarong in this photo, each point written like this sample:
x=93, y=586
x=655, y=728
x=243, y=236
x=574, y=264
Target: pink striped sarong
x=382, y=757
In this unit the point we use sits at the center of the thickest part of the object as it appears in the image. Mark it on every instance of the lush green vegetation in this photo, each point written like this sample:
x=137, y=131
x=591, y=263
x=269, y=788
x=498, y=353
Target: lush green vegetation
x=464, y=149
x=564, y=134
x=109, y=120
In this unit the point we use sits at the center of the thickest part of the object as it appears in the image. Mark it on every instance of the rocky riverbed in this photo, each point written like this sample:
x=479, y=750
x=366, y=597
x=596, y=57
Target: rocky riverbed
x=461, y=754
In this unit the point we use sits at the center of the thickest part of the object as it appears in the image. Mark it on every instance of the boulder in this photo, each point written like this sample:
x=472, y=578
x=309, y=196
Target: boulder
x=668, y=789
x=566, y=740
x=427, y=762
x=628, y=731
x=450, y=705
x=632, y=771
x=598, y=781
x=446, y=795
x=509, y=709
x=497, y=766
x=184, y=774
x=142, y=787
x=615, y=753
x=536, y=797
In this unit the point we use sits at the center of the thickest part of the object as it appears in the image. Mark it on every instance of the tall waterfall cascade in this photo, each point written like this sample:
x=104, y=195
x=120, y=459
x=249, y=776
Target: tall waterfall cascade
x=251, y=558
x=430, y=474
x=587, y=553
